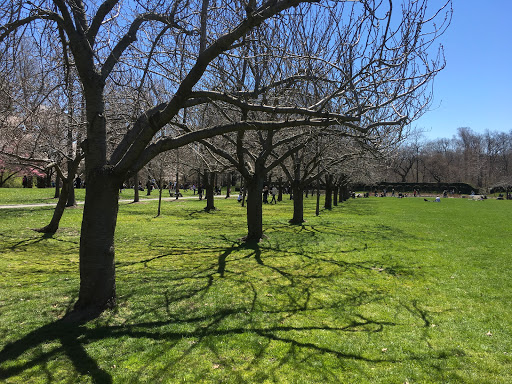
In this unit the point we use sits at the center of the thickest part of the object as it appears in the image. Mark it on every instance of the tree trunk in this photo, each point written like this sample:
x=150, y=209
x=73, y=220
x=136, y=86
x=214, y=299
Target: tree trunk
x=67, y=186
x=280, y=194
x=335, y=195
x=209, y=181
x=160, y=196
x=48, y=179
x=53, y=226
x=317, y=210
x=344, y=192
x=254, y=208
x=243, y=188
x=57, y=187
x=298, y=204
x=97, y=267
x=136, y=197
x=228, y=188
x=328, y=192
x=71, y=202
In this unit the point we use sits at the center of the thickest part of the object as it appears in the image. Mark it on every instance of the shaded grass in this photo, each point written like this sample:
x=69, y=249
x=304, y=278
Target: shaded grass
x=374, y=291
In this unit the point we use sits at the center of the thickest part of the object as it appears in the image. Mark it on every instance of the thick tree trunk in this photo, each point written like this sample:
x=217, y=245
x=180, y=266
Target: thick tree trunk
x=298, y=204
x=254, y=208
x=335, y=195
x=97, y=268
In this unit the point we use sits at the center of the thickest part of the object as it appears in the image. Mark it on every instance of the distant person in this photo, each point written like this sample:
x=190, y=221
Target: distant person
x=438, y=199
x=273, y=192
x=265, y=195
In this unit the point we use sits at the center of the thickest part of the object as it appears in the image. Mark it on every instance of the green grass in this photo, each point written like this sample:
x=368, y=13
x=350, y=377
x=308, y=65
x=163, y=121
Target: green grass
x=14, y=196
x=375, y=291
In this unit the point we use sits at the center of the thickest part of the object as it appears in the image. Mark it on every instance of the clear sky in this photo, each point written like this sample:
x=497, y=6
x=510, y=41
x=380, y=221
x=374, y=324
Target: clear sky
x=475, y=88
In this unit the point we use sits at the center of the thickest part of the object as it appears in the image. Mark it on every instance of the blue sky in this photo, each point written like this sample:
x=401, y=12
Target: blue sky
x=475, y=88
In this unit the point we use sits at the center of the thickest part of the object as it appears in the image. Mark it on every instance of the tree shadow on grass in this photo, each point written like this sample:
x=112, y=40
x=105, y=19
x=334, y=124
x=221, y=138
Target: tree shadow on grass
x=43, y=241
x=282, y=311
x=205, y=330
x=71, y=346
x=237, y=246
x=74, y=338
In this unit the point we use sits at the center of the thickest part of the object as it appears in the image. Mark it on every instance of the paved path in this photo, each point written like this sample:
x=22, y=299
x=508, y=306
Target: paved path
x=53, y=204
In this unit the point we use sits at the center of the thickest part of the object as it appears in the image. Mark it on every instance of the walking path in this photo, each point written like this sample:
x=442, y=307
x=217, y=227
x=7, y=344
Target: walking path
x=53, y=204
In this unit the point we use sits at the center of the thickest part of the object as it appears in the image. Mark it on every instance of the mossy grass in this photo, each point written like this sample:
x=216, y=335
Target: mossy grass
x=378, y=290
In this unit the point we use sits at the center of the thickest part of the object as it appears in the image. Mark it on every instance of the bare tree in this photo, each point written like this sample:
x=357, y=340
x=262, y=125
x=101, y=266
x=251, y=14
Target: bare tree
x=374, y=79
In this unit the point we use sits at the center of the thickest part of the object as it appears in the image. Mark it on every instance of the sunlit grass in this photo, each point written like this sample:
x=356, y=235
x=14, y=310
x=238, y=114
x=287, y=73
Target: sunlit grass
x=14, y=196
x=375, y=291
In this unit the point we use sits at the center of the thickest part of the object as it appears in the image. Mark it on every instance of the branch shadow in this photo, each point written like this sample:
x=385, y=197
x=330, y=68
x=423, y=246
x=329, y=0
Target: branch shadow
x=68, y=335
x=283, y=303
x=74, y=338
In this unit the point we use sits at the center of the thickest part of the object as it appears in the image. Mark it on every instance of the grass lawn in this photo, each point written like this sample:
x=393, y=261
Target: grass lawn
x=14, y=196
x=378, y=290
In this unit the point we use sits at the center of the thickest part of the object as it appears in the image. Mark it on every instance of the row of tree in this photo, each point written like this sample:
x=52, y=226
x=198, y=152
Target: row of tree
x=252, y=85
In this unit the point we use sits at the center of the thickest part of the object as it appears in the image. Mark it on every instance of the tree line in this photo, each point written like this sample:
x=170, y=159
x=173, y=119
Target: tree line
x=483, y=160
